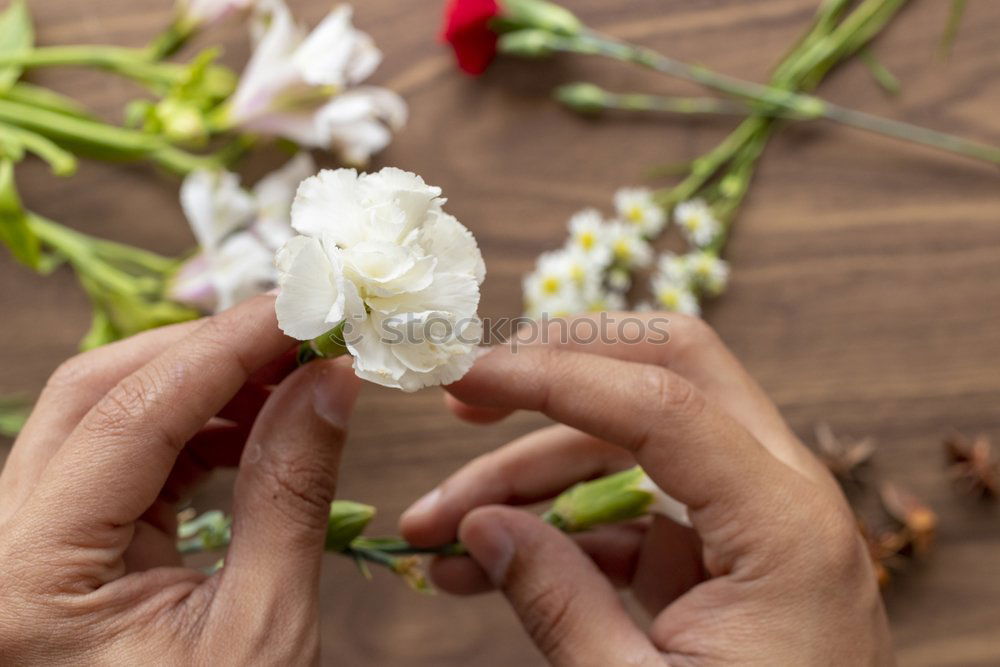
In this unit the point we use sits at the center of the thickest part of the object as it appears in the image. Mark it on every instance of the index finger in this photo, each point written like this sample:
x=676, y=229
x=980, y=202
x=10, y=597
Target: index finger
x=687, y=346
x=128, y=442
x=687, y=444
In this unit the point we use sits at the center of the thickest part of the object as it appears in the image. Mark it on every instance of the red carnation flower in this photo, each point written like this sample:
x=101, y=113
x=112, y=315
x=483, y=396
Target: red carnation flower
x=467, y=29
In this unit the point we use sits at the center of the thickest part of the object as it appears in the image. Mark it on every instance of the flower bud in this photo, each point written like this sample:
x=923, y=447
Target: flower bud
x=181, y=121
x=527, y=43
x=346, y=521
x=583, y=97
x=542, y=15
x=625, y=495
x=207, y=532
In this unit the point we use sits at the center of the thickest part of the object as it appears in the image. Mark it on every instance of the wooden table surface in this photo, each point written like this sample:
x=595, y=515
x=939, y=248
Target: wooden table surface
x=866, y=288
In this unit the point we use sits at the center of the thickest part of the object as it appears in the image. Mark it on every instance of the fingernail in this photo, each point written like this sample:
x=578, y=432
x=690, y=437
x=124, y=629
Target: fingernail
x=425, y=505
x=335, y=389
x=273, y=292
x=493, y=548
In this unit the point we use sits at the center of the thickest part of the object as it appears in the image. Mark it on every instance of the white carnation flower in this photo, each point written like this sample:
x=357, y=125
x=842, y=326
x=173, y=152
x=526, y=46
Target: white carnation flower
x=697, y=222
x=379, y=257
x=237, y=232
x=636, y=206
x=299, y=86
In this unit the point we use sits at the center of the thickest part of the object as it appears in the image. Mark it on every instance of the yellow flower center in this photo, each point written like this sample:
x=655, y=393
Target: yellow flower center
x=550, y=285
x=635, y=213
x=622, y=250
x=587, y=240
x=669, y=298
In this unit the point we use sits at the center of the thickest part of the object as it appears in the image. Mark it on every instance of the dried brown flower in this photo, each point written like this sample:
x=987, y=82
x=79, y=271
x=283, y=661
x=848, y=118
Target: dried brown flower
x=884, y=550
x=973, y=465
x=842, y=457
x=917, y=519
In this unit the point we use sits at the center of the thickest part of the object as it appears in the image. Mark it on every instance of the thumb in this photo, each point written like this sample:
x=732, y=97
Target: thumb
x=570, y=611
x=285, y=484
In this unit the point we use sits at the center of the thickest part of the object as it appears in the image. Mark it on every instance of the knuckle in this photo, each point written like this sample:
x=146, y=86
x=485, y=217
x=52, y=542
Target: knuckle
x=547, y=617
x=124, y=406
x=75, y=371
x=690, y=334
x=300, y=488
x=672, y=394
x=843, y=550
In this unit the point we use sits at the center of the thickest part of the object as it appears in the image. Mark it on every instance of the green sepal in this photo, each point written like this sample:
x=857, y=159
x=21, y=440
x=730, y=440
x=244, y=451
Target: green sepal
x=346, y=521
x=610, y=499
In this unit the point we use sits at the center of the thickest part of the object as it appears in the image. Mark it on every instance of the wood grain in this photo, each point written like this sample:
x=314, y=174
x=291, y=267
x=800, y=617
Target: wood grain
x=866, y=290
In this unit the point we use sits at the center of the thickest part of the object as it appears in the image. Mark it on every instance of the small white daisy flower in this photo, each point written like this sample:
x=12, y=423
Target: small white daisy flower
x=619, y=279
x=604, y=300
x=629, y=249
x=697, y=222
x=674, y=268
x=637, y=207
x=675, y=297
x=708, y=272
x=588, y=235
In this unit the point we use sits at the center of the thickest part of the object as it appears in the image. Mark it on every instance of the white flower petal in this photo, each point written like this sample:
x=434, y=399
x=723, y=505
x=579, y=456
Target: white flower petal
x=358, y=123
x=206, y=12
x=373, y=358
x=274, y=194
x=311, y=288
x=267, y=74
x=192, y=284
x=336, y=53
x=241, y=268
x=444, y=237
x=215, y=205
x=329, y=204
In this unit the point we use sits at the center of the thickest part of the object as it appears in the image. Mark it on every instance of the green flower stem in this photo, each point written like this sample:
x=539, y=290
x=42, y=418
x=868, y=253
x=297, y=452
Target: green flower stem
x=798, y=104
x=171, y=40
x=600, y=100
x=90, y=133
x=60, y=161
x=136, y=64
x=44, y=98
x=82, y=252
x=108, y=141
x=181, y=162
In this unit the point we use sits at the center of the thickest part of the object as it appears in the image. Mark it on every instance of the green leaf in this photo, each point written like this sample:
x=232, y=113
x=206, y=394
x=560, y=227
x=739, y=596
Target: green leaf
x=16, y=35
x=880, y=72
x=951, y=28
x=14, y=230
x=102, y=330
